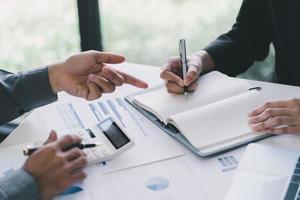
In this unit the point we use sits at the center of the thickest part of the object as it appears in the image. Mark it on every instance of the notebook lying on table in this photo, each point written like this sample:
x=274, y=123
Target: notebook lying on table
x=211, y=120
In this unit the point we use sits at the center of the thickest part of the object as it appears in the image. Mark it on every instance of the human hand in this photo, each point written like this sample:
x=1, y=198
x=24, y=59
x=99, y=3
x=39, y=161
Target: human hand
x=54, y=168
x=172, y=72
x=86, y=75
x=277, y=117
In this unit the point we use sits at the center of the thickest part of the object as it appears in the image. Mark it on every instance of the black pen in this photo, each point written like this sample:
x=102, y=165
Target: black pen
x=30, y=149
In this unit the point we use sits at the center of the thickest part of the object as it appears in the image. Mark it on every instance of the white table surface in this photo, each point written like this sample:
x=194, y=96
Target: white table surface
x=215, y=183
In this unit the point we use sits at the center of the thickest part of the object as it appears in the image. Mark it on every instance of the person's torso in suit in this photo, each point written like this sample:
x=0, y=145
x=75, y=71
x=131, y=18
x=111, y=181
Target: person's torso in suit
x=260, y=23
x=284, y=19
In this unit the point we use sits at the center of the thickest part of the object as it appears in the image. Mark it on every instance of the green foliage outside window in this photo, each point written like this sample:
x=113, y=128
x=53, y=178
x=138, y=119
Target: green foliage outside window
x=36, y=32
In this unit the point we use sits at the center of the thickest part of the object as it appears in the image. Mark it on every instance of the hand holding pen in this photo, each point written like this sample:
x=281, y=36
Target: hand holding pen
x=54, y=168
x=173, y=74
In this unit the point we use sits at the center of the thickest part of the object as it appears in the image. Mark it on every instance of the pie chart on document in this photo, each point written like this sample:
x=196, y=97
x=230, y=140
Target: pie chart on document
x=157, y=183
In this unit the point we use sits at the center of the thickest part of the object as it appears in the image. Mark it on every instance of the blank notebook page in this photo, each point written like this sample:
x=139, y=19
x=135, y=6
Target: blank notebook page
x=218, y=122
x=212, y=87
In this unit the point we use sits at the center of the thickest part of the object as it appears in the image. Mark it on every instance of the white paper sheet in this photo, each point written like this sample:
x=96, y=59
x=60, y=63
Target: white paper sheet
x=218, y=122
x=150, y=144
x=165, y=180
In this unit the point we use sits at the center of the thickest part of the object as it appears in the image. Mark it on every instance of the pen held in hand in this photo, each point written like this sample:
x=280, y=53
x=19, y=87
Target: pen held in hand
x=31, y=149
x=183, y=59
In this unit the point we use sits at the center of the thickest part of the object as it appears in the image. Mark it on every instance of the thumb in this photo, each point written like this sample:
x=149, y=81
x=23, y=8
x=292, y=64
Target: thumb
x=52, y=137
x=111, y=58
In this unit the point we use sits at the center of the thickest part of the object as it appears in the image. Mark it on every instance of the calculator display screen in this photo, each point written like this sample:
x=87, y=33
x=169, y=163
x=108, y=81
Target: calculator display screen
x=114, y=134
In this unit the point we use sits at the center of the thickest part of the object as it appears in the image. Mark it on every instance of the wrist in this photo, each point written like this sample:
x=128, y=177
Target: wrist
x=54, y=77
x=205, y=61
x=42, y=191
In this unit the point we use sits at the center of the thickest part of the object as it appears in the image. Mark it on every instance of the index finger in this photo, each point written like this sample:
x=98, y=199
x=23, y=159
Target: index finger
x=102, y=57
x=52, y=137
x=274, y=104
x=132, y=80
x=172, y=64
x=170, y=76
x=67, y=141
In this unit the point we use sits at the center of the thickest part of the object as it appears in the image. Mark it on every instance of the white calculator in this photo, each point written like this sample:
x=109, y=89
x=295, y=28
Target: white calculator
x=111, y=135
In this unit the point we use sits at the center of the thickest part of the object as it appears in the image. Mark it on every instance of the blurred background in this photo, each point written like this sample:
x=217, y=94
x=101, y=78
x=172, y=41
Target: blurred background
x=38, y=32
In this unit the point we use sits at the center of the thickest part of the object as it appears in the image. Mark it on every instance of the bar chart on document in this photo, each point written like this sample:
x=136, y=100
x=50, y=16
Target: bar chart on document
x=146, y=135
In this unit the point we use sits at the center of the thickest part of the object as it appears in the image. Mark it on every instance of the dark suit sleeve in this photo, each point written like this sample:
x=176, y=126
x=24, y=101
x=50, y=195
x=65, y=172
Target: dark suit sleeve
x=22, y=92
x=247, y=41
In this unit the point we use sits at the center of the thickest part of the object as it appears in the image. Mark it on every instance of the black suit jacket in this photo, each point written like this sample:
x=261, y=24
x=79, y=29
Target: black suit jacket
x=260, y=23
x=21, y=92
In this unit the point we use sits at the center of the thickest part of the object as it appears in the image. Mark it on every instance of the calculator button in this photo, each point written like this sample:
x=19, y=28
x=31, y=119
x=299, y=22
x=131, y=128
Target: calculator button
x=81, y=134
x=104, y=152
x=85, y=140
x=89, y=159
x=88, y=153
x=96, y=153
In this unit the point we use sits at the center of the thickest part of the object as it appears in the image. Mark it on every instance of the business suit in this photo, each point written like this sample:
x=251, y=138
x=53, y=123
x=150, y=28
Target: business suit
x=260, y=23
x=20, y=93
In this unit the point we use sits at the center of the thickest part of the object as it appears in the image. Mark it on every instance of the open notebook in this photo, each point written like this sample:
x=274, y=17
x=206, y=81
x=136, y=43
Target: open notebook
x=210, y=120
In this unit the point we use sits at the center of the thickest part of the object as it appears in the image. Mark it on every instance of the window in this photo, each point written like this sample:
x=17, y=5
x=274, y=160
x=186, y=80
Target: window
x=148, y=31
x=36, y=32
